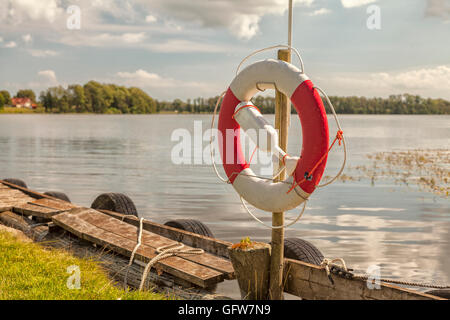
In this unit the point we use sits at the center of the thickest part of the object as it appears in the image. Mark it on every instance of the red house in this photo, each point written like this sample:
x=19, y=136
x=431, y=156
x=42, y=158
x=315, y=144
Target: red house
x=23, y=103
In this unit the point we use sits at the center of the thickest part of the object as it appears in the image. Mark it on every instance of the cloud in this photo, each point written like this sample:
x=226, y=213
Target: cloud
x=27, y=38
x=160, y=86
x=1, y=39
x=241, y=18
x=438, y=8
x=43, y=53
x=355, y=3
x=17, y=11
x=429, y=81
x=103, y=39
x=10, y=44
x=150, y=18
x=320, y=12
x=185, y=46
x=48, y=76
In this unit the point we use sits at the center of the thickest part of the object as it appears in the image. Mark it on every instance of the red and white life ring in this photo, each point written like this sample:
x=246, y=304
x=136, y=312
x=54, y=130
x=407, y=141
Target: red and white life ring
x=263, y=193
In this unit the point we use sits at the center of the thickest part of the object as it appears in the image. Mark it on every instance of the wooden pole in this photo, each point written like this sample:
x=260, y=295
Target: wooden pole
x=282, y=120
x=251, y=266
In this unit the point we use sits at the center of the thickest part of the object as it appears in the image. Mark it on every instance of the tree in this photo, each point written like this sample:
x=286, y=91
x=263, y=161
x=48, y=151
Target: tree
x=2, y=101
x=6, y=96
x=26, y=93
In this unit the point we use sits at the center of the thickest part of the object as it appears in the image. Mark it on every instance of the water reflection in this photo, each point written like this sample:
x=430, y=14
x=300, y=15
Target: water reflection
x=403, y=230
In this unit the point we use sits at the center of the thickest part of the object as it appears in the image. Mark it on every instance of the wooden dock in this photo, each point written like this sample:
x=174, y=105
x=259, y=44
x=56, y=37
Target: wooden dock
x=72, y=226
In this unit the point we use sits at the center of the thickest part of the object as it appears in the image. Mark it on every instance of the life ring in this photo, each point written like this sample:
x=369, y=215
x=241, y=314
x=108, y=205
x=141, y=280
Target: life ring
x=266, y=194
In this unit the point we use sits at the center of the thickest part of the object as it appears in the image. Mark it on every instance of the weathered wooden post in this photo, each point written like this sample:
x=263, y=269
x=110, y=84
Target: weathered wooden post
x=282, y=119
x=251, y=265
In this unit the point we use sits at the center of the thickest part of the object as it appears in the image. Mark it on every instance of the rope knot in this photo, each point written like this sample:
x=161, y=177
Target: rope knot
x=339, y=136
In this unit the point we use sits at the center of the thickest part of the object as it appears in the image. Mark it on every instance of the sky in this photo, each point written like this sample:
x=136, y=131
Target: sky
x=186, y=49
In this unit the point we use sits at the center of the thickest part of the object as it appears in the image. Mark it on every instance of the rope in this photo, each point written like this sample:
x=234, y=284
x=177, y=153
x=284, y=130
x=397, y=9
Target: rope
x=339, y=137
x=328, y=265
x=133, y=253
x=343, y=140
x=308, y=175
x=269, y=226
x=165, y=252
x=212, y=150
x=270, y=48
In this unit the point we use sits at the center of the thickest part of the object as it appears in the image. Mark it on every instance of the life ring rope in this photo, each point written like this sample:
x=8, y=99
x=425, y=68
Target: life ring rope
x=339, y=137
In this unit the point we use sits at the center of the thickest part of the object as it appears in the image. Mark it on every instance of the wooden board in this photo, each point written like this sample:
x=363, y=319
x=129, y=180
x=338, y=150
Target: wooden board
x=54, y=204
x=122, y=238
x=30, y=209
x=215, y=246
x=311, y=282
x=44, y=208
x=10, y=197
x=153, y=240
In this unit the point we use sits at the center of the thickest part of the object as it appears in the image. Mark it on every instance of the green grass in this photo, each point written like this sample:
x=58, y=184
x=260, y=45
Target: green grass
x=20, y=110
x=30, y=271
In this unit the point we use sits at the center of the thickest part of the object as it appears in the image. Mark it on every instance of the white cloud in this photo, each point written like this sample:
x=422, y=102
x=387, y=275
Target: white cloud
x=241, y=18
x=48, y=76
x=27, y=38
x=355, y=3
x=320, y=12
x=162, y=87
x=1, y=39
x=103, y=39
x=245, y=26
x=43, y=53
x=21, y=10
x=181, y=45
x=438, y=8
x=430, y=81
x=150, y=18
x=10, y=44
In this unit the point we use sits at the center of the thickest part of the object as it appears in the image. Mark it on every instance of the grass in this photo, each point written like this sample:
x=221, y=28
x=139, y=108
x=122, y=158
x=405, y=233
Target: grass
x=429, y=169
x=30, y=271
x=20, y=110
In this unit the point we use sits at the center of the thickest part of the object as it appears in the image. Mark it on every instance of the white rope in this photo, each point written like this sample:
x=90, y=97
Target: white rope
x=269, y=226
x=133, y=253
x=343, y=140
x=271, y=48
x=165, y=252
x=210, y=140
x=212, y=149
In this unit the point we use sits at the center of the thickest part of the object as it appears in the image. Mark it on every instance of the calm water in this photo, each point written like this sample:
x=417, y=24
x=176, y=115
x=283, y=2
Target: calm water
x=401, y=229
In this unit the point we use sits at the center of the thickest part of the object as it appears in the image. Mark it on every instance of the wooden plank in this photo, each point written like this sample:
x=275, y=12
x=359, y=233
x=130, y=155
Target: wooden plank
x=311, y=282
x=11, y=219
x=214, y=246
x=54, y=204
x=11, y=197
x=153, y=240
x=176, y=266
x=29, y=209
x=31, y=193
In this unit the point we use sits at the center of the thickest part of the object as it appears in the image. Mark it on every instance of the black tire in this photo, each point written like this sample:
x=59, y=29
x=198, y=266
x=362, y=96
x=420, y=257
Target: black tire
x=17, y=182
x=117, y=202
x=298, y=249
x=58, y=195
x=191, y=225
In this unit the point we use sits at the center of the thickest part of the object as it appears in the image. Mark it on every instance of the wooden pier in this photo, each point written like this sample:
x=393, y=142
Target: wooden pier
x=110, y=237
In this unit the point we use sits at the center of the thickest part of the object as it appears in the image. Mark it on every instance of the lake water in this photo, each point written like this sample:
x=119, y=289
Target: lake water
x=403, y=230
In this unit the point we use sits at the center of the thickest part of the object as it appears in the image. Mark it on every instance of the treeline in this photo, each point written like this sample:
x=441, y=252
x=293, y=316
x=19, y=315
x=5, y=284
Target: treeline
x=395, y=104
x=94, y=97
